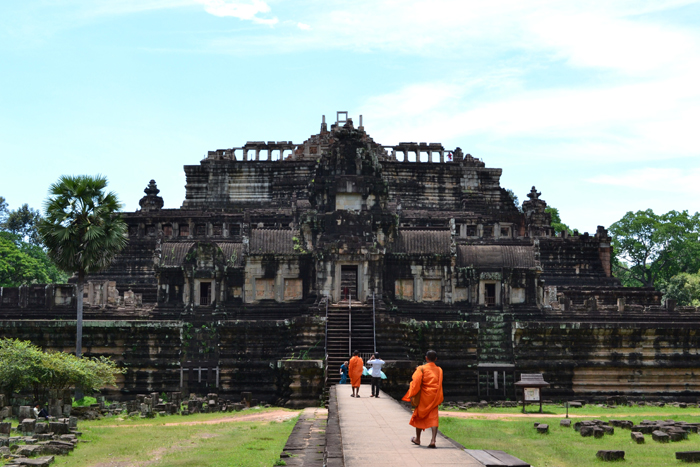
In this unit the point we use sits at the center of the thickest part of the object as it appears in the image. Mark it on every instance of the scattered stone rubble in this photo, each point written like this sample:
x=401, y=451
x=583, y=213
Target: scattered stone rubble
x=31, y=438
x=58, y=436
x=662, y=431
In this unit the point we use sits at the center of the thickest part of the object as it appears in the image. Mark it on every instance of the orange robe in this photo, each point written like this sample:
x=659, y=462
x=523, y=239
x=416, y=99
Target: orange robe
x=427, y=380
x=355, y=367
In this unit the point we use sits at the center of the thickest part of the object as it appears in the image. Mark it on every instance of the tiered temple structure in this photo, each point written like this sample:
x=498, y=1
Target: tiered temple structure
x=285, y=257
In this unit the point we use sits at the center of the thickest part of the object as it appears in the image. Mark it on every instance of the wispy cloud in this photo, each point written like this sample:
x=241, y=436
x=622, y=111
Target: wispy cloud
x=246, y=10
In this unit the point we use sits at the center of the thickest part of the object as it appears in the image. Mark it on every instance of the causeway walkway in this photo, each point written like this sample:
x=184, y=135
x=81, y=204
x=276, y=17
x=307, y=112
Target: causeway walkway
x=375, y=432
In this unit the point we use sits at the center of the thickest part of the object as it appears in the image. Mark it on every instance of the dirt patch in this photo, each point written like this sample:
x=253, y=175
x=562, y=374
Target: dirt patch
x=271, y=416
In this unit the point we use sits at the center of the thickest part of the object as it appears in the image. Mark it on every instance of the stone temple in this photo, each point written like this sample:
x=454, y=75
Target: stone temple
x=285, y=257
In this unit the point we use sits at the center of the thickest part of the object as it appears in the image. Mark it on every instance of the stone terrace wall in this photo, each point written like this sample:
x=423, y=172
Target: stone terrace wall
x=150, y=351
x=248, y=352
x=654, y=360
x=404, y=342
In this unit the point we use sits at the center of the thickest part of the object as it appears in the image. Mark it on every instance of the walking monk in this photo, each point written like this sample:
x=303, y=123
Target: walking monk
x=427, y=381
x=355, y=368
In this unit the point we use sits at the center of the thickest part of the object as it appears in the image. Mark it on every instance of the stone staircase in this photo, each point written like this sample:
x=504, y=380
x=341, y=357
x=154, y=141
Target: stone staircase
x=495, y=356
x=495, y=339
x=350, y=327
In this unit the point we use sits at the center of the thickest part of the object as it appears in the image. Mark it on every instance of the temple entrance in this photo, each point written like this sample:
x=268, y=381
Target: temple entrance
x=348, y=282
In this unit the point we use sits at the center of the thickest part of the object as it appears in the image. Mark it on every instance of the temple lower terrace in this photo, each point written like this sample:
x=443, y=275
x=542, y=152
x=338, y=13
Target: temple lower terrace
x=285, y=257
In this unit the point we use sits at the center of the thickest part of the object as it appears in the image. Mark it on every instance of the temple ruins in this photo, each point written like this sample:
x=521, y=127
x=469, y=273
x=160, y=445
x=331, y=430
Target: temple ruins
x=285, y=257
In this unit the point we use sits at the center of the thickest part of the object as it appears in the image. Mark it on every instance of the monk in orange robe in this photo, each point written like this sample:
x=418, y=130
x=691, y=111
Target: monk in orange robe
x=427, y=380
x=355, y=368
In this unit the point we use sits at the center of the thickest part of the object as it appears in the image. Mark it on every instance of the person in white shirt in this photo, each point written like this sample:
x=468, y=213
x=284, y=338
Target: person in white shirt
x=376, y=373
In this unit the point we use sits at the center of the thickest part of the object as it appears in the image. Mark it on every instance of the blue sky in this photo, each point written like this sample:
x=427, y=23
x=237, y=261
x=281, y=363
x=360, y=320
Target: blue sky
x=595, y=103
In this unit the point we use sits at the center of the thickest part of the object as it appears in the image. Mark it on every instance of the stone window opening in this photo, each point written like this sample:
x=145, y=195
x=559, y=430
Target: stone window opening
x=490, y=294
x=234, y=229
x=168, y=230
x=471, y=231
x=133, y=231
x=217, y=230
x=205, y=293
x=505, y=232
x=200, y=230
x=184, y=230
x=488, y=231
x=151, y=230
x=264, y=155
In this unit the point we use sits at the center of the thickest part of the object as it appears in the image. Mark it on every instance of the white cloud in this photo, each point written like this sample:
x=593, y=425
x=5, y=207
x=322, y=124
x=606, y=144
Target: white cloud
x=246, y=10
x=303, y=27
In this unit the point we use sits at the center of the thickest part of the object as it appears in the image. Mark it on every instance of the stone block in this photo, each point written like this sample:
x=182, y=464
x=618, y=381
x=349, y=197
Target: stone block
x=586, y=430
x=27, y=425
x=610, y=455
x=688, y=456
x=543, y=428
x=575, y=405
x=660, y=436
x=5, y=428
x=608, y=429
x=43, y=461
x=598, y=432
x=677, y=434
x=5, y=412
x=565, y=423
x=59, y=428
x=28, y=450
x=637, y=437
x=73, y=422
x=41, y=428
x=25, y=411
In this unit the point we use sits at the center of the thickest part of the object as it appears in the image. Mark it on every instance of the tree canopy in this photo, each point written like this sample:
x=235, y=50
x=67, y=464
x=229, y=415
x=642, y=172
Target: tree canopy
x=557, y=224
x=652, y=248
x=82, y=229
x=25, y=367
x=23, y=259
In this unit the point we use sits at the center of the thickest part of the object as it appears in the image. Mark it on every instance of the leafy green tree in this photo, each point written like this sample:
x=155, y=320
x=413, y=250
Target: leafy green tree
x=23, y=263
x=684, y=288
x=82, y=231
x=19, y=365
x=652, y=248
x=557, y=224
x=23, y=221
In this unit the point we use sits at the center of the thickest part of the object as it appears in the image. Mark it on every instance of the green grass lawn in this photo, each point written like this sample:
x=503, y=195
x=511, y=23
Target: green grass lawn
x=564, y=447
x=112, y=442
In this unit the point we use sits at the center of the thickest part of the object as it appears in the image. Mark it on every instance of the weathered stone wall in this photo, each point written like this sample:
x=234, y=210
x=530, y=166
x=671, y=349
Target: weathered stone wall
x=247, y=351
x=652, y=360
x=404, y=343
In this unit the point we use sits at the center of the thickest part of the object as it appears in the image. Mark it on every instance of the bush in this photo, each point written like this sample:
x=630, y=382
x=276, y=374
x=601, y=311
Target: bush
x=24, y=366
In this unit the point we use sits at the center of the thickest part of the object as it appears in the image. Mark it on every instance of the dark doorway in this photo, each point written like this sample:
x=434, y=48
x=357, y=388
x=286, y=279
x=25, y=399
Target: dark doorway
x=490, y=299
x=204, y=293
x=348, y=282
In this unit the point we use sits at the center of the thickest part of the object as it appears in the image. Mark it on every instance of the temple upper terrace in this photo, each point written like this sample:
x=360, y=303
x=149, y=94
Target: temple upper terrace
x=276, y=151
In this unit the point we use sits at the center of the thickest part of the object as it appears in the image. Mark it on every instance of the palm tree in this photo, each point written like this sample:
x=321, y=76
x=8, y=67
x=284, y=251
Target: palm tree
x=82, y=231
